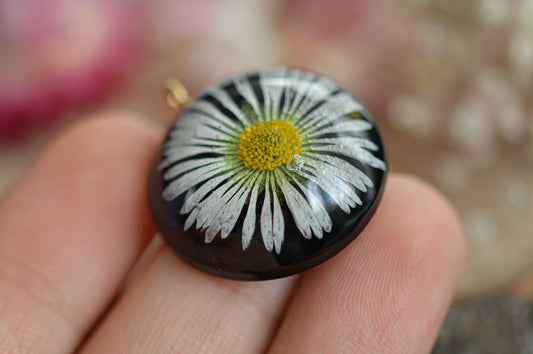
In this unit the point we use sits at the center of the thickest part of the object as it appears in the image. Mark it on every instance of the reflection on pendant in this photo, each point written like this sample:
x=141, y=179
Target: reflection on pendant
x=295, y=163
x=267, y=174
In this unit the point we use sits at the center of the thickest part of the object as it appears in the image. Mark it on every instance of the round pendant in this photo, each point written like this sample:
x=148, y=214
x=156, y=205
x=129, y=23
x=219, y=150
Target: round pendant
x=267, y=174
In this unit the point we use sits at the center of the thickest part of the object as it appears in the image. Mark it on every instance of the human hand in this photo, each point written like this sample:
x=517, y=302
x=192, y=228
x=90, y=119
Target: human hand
x=77, y=222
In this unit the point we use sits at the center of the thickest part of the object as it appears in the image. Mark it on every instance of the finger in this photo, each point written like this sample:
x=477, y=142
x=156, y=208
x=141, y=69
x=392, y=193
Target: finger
x=174, y=308
x=389, y=290
x=71, y=230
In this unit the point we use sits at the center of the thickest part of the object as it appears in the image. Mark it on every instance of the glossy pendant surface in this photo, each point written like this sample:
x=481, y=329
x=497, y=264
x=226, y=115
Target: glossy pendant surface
x=267, y=174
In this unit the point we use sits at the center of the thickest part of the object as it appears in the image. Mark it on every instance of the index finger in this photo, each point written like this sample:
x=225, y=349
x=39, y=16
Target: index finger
x=71, y=230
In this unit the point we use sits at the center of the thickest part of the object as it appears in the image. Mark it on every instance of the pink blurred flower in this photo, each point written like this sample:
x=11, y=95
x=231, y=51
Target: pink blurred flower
x=57, y=54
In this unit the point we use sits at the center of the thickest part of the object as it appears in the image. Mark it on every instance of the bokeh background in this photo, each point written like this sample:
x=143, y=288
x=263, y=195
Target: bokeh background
x=449, y=82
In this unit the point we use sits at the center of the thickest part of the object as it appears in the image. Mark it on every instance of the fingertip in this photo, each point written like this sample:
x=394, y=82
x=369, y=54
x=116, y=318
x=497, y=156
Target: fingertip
x=430, y=225
x=411, y=255
x=73, y=227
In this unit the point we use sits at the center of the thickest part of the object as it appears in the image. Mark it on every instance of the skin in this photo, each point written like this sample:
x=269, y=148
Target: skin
x=74, y=226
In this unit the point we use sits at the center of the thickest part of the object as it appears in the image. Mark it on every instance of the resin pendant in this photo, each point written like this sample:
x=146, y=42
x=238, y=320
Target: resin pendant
x=267, y=174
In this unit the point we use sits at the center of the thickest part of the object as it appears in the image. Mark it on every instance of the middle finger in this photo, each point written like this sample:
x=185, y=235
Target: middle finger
x=176, y=308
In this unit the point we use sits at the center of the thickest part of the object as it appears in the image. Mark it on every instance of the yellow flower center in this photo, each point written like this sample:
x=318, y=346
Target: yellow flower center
x=266, y=145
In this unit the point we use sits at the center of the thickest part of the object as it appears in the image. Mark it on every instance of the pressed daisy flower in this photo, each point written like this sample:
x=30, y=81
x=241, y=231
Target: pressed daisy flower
x=274, y=154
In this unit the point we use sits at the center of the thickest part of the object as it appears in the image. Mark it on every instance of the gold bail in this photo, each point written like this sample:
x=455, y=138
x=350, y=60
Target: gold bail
x=177, y=96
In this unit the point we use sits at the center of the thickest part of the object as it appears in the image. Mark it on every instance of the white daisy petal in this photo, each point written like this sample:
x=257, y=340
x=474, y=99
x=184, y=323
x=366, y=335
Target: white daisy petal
x=211, y=206
x=183, y=152
x=248, y=227
x=196, y=196
x=233, y=211
x=272, y=98
x=327, y=86
x=272, y=89
x=317, y=207
x=353, y=152
x=266, y=219
x=342, y=169
x=191, y=138
x=245, y=89
x=223, y=97
x=278, y=228
x=346, y=141
x=190, y=219
x=205, y=121
x=304, y=104
x=301, y=210
x=207, y=108
x=350, y=126
x=290, y=101
x=208, y=130
x=210, y=235
x=225, y=220
x=326, y=174
x=335, y=191
x=301, y=101
x=187, y=181
x=186, y=166
x=339, y=105
x=212, y=231
x=297, y=213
